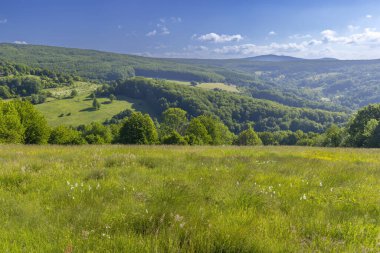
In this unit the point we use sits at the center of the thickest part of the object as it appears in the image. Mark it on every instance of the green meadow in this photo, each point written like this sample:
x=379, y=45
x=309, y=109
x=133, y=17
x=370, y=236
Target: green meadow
x=188, y=199
x=79, y=110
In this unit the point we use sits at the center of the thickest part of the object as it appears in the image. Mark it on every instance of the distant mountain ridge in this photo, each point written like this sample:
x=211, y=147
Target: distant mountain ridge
x=284, y=58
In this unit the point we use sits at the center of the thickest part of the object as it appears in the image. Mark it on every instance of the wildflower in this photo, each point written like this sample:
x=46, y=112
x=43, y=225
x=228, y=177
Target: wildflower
x=331, y=189
x=98, y=186
x=303, y=197
x=68, y=183
x=182, y=224
x=178, y=218
x=320, y=184
x=89, y=187
x=76, y=184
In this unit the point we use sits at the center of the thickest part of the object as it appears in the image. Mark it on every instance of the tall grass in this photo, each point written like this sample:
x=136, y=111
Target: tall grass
x=188, y=199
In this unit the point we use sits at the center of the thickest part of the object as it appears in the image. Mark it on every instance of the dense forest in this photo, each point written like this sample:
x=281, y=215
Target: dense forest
x=18, y=80
x=234, y=110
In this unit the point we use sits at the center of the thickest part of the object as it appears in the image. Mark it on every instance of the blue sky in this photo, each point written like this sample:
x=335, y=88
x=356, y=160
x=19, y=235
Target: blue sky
x=199, y=29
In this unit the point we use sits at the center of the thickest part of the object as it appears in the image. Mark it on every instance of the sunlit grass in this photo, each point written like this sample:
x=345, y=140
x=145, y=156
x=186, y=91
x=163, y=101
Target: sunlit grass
x=188, y=199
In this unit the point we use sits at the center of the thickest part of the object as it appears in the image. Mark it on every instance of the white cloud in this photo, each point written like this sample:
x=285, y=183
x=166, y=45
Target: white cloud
x=252, y=49
x=176, y=19
x=163, y=29
x=369, y=16
x=3, y=21
x=20, y=42
x=299, y=36
x=353, y=28
x=196, y=48
x=272, y=33
x=152, y=33
x=351, y=42
x=368, y=36
x=219, y=38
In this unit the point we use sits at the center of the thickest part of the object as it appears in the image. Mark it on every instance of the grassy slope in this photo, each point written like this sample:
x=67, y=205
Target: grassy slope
x=80, y=107
x=81, y=110
x=222, y=86
x=188, y=199
x=207, y=86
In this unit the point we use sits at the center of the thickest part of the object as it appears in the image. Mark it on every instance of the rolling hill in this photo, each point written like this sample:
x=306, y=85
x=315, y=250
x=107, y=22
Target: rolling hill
x=330, y=84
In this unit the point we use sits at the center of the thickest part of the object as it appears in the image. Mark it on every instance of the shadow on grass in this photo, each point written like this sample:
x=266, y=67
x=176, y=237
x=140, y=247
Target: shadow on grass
x=89, y=109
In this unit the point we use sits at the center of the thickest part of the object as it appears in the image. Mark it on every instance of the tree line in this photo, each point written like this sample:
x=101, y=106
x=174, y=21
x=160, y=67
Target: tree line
x=21, y=123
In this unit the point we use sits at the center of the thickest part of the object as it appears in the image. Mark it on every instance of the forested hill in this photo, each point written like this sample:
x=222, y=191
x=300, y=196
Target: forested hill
x=102, y=65
x=328, y=84
x=235, y=110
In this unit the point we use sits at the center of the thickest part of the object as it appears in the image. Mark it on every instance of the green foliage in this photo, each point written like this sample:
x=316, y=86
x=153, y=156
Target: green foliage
x=234, y=110
x=363, y=125
x=20, y=80
x=196, y=133
x=96, y=133
x=20, y=122
x=96, y=104
x=218, y=132
x=248, y=138
x=63, y=135
x=138, y=129
x=112, y=97
x=173, y=138
x=333, y=137
x=74, y=93
x=173, y=119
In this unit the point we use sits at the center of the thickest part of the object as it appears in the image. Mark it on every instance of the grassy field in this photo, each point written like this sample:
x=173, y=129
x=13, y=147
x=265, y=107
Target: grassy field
x=222, y=86
x=78, y=110
x=208, y=86
x=188, y=199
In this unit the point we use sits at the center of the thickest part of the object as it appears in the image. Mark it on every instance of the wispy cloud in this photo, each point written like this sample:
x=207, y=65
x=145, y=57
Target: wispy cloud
x=353, y=28
x=163, y=29
x=272, y=33
x=218, y=38
x=3, y=21
x=369, y=16
x=20, y=42
x=300, y=36
x=176, y=19
x=162, y=26
x=151, y=33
